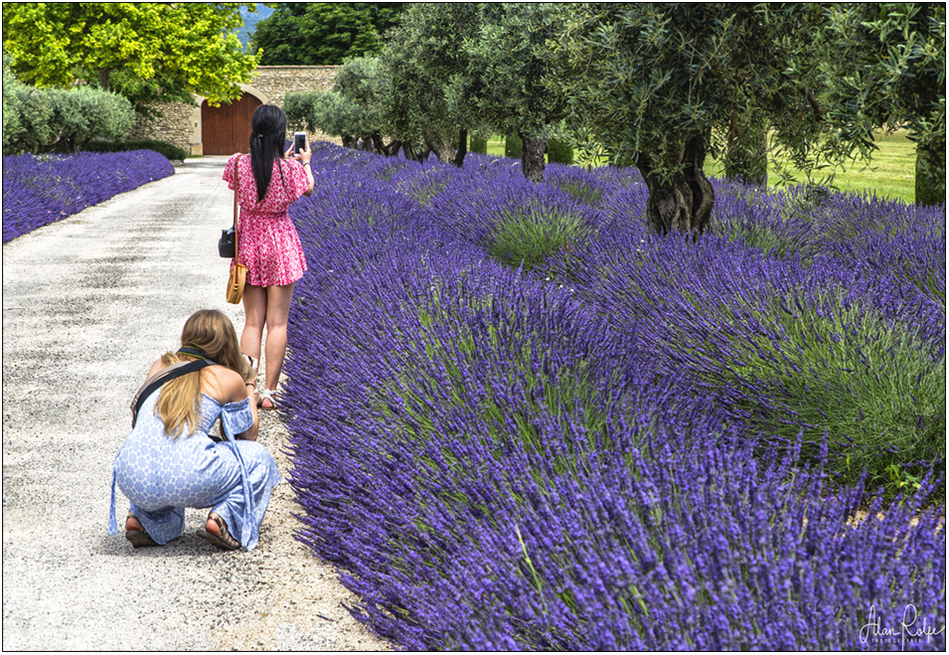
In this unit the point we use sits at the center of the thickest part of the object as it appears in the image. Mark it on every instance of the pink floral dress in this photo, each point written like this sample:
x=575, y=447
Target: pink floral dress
x=269, y=246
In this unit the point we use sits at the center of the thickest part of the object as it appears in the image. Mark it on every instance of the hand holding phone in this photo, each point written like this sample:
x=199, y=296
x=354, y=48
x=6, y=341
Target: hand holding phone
x=299, y=142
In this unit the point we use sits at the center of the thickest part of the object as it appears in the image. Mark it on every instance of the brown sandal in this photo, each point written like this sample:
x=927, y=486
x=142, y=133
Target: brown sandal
x=225, y=541
x=139, y=538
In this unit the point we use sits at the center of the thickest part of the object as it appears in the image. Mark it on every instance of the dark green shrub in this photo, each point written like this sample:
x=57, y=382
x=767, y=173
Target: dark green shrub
x=478, y=144
x=513, y=146
x=65, y=120
x=559, y=151
x=169, y=150
x=298, y=106
x=12, y=126
x=930, y=176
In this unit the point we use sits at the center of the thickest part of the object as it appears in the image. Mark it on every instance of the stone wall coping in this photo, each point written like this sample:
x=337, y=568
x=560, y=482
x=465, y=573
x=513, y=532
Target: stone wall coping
x=298, y=67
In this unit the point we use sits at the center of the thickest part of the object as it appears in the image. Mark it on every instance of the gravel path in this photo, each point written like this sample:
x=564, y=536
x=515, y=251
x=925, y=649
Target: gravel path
x=88, y=304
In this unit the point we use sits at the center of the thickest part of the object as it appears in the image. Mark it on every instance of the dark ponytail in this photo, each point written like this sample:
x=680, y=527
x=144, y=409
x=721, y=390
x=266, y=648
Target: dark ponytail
x=267, y=139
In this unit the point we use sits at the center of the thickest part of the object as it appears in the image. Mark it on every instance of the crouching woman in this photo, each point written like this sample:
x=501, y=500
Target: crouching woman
x=168, y=462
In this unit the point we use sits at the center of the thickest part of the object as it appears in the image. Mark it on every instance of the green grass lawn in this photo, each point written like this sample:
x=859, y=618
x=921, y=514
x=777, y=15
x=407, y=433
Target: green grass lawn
x=891, y=173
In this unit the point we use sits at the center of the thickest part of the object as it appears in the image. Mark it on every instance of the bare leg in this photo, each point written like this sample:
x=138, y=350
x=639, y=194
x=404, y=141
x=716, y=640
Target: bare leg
x=278, y=311
x=255, y=314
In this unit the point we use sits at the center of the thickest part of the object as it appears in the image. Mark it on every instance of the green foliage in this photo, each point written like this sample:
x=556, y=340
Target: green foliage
x=323, y=33
x=746, y=155
x=528, y=235
x=587, y=151
x=559, y=151
x=478, y=144
x=627, y=76
x=357, y=83
x=466, y=66
x=875, y=390
x=147, y=52
x=930, y=186
x=169, y=150
x=505, y=66
x=12, y=126
x=64, y=120
x=351, y=110
x=298, y=106
x=337, y=116
x=884, y=65
x=513, y=146
x=428, y=91
x=411, y=98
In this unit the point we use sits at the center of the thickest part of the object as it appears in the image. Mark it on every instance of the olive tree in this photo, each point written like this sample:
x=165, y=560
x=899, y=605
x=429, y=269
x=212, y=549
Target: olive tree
x=885, y=67
x=46, y=120
x=427, y=91
x=411, y=96
x=658, y=84
x=458, y=68
x=507, y=59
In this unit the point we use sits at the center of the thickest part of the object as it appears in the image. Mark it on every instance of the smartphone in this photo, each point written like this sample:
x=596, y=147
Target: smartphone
x=299, y=141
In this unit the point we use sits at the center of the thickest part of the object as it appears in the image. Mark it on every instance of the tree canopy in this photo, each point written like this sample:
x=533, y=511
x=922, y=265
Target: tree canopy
x=323, y=33
x=454, y=68
x=885, y=67
x=147, y=52
x=660, y=85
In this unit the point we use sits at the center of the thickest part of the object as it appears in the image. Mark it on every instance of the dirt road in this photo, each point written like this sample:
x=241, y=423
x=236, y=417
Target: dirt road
x=88, y=304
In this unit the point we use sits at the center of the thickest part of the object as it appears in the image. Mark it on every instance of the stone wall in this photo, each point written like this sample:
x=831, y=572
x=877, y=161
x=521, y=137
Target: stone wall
x=181, y=124
x=277, y=81
x=175, y=127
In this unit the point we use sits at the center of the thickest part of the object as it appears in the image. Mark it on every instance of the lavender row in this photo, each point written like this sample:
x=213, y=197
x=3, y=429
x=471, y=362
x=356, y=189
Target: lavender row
x=500, y=461
x=876, y=267
x=38, y=191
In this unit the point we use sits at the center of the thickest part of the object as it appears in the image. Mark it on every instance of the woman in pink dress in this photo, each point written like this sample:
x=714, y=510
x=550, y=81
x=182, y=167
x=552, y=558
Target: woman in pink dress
x=269, y=181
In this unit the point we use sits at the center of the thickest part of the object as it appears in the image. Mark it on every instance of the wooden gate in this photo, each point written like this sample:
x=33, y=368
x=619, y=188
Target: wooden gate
x=226, y=129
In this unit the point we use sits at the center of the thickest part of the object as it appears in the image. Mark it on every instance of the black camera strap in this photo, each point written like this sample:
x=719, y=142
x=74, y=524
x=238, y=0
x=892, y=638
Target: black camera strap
x=160, y=378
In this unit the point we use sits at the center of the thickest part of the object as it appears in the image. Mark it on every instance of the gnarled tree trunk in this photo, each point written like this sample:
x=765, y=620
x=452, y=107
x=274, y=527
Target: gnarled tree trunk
x=411, y=153
x=379, y=145
x=532, y=157
x=683, y=203
x=442, y=149
x=462, y=150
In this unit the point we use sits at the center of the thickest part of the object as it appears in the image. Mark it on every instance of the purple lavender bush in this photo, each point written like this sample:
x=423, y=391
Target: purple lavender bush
x=786, y=347
x=39, y=190
x=630, y=456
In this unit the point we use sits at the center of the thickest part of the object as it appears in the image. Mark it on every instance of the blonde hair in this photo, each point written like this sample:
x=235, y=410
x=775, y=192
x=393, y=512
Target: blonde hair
x=179, y=404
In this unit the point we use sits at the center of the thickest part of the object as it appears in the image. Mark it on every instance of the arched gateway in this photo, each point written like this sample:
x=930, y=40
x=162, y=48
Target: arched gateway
x=225, y=129
x=202, y=130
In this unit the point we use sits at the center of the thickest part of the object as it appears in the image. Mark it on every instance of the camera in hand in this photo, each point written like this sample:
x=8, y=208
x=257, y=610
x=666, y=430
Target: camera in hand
x=299, y=141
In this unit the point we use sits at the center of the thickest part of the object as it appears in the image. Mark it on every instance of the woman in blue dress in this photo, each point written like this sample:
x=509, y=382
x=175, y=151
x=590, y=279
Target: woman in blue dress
x=168, y=462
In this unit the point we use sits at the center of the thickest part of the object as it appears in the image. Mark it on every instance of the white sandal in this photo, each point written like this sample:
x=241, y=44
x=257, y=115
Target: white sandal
x=267, y=394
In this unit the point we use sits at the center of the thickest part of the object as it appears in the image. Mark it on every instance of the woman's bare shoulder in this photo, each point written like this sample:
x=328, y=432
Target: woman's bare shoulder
x=223, y=384
x=157, y=366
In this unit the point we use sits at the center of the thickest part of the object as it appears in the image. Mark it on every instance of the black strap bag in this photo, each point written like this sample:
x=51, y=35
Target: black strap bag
x=225, y=245
x=165, y=375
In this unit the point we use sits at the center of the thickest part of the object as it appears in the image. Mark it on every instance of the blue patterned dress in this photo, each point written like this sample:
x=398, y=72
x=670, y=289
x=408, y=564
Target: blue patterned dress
x=161, y=476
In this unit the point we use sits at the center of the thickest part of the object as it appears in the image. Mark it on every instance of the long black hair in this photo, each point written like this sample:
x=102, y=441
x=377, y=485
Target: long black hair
x=267, y=139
